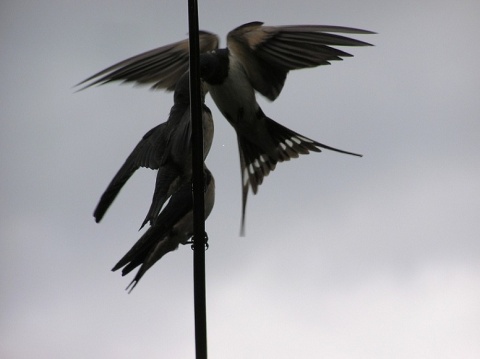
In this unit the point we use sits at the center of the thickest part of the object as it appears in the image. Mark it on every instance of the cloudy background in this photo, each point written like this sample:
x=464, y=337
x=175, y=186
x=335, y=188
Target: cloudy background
x=377, y=257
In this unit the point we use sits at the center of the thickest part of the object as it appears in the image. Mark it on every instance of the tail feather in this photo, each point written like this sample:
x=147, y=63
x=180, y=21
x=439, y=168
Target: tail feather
x=291, y=144
x=174, y=225
x=150, y=248
x=137, y=254
x=256, y=163
x=168, y=244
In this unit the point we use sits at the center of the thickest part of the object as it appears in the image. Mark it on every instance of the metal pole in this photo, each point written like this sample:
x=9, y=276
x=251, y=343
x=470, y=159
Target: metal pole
x=199, y=237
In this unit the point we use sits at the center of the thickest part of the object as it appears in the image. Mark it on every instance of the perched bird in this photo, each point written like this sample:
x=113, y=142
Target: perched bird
x=257, y=58
x=173, y=226
x=166, y=148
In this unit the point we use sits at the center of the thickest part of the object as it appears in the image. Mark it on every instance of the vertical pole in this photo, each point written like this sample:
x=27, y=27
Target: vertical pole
x=199, y=237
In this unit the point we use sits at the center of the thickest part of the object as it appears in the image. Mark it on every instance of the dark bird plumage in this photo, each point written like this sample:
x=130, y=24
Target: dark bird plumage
x=257, y=58
x=173, y=226
x=166, y=148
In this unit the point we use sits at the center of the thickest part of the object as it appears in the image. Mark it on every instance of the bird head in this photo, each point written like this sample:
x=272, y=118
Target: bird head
x=214, y=66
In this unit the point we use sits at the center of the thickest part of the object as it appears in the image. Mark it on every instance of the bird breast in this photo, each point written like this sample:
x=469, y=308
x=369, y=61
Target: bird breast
x=235, y=97
x=208, y=130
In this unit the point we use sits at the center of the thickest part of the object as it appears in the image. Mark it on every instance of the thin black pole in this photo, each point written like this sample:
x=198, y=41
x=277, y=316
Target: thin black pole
x=199, y=237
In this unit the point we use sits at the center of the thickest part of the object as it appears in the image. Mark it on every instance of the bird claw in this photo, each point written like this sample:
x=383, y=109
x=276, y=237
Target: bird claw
x=192, y=242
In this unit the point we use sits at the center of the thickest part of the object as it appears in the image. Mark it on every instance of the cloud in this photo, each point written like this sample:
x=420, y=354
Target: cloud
x=344, y=257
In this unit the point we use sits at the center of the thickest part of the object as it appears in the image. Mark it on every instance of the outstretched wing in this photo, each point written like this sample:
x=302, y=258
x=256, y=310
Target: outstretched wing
x=147, y=153
x=269, y=52
x=160, y=67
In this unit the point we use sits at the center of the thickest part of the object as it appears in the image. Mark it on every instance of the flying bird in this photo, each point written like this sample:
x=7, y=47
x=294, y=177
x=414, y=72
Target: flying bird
x=257, y=59
x=173, y=226
x=166, y=148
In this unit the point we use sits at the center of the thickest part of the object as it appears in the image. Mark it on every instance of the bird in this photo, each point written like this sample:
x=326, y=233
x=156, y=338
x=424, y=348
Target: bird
x=257, y=59
x=172, y=227
x=166, y=148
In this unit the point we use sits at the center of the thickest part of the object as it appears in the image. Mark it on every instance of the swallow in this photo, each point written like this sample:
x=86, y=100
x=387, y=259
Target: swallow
x=172, y=227
x=257, y=59
x=166, y=148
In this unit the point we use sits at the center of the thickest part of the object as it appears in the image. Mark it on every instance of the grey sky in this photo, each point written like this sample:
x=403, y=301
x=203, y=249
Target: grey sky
x=344, y=257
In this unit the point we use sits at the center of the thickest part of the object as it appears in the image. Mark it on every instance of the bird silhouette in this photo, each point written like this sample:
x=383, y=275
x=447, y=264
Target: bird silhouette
x=172, y=227
x=166, y=148
x=257, y=59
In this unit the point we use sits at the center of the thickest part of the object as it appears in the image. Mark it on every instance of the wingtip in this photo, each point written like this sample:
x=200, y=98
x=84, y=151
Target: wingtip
x=98, y=214
x=132, y=285
x=242, y=227
x=145, y=221
x=97, y=218
x=84, y=83
x=78, y=89
x=116, y=267
x=81, y=88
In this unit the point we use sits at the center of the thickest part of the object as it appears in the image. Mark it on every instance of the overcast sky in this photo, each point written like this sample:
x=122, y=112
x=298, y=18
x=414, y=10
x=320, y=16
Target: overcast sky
x=345, y=257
